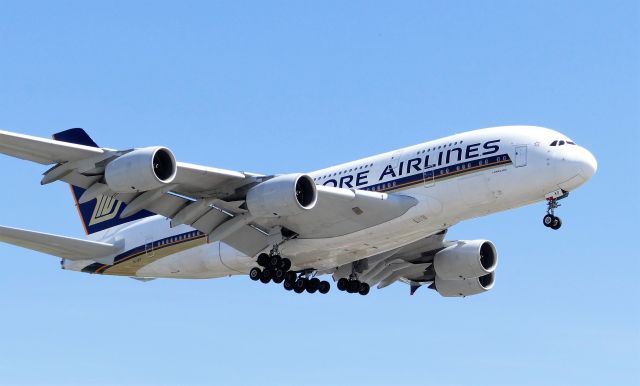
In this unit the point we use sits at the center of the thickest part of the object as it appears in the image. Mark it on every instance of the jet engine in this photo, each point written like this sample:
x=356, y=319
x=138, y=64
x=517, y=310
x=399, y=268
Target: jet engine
x=464, y=287
x=141, y=170
x=466, y=260
x=285, y=195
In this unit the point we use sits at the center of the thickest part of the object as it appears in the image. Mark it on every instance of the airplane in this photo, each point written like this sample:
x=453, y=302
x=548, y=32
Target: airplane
x=373, y=221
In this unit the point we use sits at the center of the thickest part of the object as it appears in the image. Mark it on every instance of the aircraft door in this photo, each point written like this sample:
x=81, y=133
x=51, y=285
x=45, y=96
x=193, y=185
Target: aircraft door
x=521, y=156
x=148, y=247
x=429, y=178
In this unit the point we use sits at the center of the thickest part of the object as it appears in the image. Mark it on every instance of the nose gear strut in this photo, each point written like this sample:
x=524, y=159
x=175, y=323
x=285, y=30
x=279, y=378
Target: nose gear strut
x=550, y=220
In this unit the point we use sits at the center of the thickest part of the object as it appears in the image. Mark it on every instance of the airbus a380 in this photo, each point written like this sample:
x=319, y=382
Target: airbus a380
x=369, y=222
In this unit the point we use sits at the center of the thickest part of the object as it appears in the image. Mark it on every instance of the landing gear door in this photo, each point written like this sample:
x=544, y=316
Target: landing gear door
x=521, y=156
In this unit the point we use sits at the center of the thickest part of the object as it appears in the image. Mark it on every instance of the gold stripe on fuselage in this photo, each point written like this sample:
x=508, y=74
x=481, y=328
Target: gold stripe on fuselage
x=130, y=265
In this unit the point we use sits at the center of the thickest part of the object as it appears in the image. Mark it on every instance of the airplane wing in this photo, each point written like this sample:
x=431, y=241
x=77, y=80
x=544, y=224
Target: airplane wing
x=424, y=262
x=411, y=264
x=211, y=200
x=64, y=247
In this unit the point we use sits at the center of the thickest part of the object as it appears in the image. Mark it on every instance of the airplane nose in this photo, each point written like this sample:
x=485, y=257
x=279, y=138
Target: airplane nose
x=588, y=164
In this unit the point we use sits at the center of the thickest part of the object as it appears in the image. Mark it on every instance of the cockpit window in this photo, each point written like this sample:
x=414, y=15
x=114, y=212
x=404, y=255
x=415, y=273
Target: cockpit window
x=560, y=143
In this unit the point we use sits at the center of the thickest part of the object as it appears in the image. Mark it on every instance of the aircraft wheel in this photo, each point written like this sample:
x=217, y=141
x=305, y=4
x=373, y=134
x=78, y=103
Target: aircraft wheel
x=557, y=223
x=278, y=276
x=342, y=284
x=300, y=285
x=263, y=259
x=312, y=285
x=353, y=286
x=265, y=276
x=285, y=264
x=288, y=285
x=274, y=261
x=290, y=276
x=255, y=273
x=324, y=287
x=364, y=289
x=547, y=220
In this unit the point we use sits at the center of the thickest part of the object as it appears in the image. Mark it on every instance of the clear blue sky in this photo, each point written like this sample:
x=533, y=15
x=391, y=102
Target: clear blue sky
x=295, y=86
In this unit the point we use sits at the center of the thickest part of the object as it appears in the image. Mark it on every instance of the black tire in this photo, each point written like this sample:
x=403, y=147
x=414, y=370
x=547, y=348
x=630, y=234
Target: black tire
x=312, y=285
x=263, y=259
x=285, y=264
x=353, y=286
x=342, y=284
x=265, y=276
x=300, y=284
x=274, y=261
x=547, y=220
x=288, y=285
x=255, y=273
x=324, y=287
x=364, y=289
x=278, y=274
x=291, y=276
x=557, y=223
x=297, y=290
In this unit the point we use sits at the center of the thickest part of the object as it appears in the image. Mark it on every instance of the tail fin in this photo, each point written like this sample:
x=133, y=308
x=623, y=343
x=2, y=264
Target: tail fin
x=103, y=212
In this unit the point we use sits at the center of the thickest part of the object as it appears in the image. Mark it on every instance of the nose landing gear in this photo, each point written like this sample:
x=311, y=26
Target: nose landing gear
x=550, y=220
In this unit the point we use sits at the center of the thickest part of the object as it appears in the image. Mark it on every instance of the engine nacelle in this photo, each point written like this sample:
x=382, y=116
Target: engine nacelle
x=141, y=170
x=285, y=195
x=465, y=260
x=465, y=287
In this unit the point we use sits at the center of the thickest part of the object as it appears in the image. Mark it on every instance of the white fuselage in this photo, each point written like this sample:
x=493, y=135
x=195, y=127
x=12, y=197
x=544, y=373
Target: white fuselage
x=453, y=179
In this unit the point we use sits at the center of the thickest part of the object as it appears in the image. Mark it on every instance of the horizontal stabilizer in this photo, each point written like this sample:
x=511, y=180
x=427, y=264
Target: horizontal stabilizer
x=61, y=246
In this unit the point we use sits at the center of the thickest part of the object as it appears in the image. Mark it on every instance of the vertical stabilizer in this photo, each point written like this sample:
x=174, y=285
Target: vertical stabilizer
x=104, y=211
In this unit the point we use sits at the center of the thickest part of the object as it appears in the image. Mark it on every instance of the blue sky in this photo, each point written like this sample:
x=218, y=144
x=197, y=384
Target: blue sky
x=280, y=86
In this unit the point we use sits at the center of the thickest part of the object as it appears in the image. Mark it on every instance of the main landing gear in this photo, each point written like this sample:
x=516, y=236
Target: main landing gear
x=277, y=269
x=353, y=286
x=550, y=220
